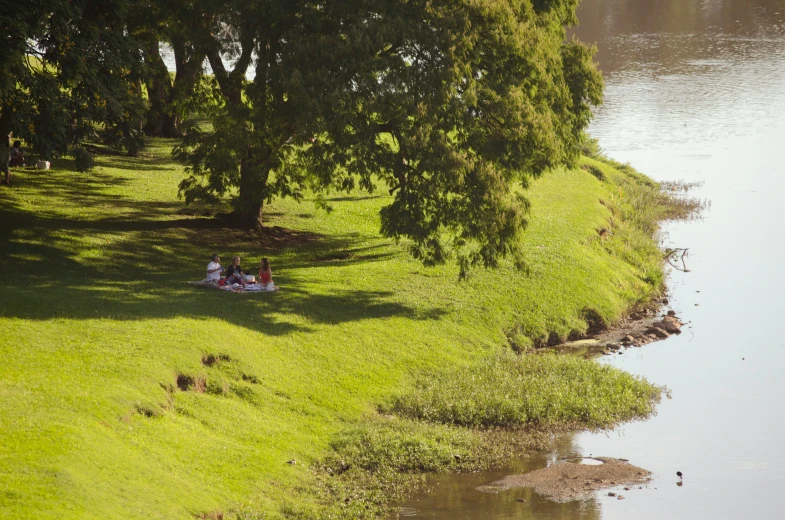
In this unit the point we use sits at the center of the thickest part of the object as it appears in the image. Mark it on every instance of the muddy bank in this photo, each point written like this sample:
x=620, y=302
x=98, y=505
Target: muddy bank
x=575, y=479
x=640, y=328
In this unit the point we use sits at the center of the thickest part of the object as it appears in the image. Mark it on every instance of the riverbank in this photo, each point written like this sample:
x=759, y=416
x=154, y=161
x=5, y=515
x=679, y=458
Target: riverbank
x=101, y=335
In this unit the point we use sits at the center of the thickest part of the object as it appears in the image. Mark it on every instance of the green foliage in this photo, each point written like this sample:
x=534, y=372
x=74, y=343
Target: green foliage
x=83, y=159
x=539, y=390
x=590, y=147
x=452, y=105
x=70, y=66
x=376, y=464
x=400, y=446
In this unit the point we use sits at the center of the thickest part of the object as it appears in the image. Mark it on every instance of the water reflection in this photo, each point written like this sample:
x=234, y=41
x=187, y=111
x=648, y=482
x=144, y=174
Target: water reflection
x=696, y=67
x=695, y=92
x=456, y=496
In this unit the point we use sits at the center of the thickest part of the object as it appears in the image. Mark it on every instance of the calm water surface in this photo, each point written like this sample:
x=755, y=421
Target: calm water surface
x=695, y=92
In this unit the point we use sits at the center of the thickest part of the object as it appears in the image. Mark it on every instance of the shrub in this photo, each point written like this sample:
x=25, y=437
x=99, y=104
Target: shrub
x=84, y=159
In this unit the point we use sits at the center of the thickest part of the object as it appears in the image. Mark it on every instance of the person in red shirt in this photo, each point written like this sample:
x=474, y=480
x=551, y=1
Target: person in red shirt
x=266, y=276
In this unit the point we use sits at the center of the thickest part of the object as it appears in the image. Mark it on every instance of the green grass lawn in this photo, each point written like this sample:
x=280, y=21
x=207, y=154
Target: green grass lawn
x=97, y=324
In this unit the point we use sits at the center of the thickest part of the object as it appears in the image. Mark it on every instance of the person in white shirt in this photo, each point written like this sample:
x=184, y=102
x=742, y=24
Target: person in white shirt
x=214, y=269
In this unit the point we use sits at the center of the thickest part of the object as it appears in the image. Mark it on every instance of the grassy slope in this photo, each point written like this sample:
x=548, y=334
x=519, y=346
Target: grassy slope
x=96, y=323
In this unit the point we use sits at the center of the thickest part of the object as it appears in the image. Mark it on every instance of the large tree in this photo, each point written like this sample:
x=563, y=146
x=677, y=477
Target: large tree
x=452, y=104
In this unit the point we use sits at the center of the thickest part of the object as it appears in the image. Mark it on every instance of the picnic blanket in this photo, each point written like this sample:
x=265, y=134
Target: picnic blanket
x=213, y=284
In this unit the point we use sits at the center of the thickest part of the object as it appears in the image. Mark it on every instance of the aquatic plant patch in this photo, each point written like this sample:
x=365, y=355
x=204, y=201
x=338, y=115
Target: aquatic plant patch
x=549, y=391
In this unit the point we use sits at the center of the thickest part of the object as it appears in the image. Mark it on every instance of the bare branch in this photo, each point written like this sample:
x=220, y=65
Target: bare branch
x=676, y=255
x=241, y=66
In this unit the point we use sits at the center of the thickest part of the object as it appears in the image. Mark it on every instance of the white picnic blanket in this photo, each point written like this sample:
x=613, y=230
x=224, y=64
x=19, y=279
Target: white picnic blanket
x=235, y=287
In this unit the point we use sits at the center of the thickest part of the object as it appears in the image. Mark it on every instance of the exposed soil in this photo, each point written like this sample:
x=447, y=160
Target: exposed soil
x=209, y=360
x=190, y=383
x=569, y=480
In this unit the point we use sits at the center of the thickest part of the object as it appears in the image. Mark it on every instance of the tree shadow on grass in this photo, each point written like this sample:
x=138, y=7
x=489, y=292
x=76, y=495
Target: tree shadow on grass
x=136, y=164
x=88, y=192
x=139, y=273
x=347, y=255
x=352, y=198
x=69, y=185
x=40, y=300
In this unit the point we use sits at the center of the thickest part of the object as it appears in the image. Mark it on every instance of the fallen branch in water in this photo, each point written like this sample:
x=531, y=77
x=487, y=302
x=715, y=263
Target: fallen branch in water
x=676, y=255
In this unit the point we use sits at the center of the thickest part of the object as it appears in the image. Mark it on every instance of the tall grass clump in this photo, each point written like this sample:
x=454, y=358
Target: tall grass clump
x=643, y=207
x=382, y=461
x=638, y=206
x=385, y=459
x=519, y=391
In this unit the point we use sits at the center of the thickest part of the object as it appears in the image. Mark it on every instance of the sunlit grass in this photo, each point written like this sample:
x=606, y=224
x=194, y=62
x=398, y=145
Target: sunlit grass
x=97, y=325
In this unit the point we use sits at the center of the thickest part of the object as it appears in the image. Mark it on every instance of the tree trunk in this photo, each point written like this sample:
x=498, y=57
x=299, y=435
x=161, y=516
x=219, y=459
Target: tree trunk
x=189, y=64
x=250, y=201
x=170, y=126
x=253, y=182
x=252, y=217
x=159, y=86
x=166, y=95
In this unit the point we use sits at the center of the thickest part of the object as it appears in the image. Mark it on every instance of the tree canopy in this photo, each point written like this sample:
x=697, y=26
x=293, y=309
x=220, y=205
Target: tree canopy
x=450, y=105
x=68, y=65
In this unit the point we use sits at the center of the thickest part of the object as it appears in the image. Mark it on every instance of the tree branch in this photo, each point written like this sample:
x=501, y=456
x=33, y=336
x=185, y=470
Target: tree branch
x=219, y=71
x=29, y=49
x=247, y=44
x=675, y=255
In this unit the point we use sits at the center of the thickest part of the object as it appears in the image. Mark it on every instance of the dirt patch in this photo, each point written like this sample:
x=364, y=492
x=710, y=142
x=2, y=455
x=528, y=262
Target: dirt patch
x=570, y=480
x=194, y=384
x=213, y=515
x=210, y=360
x=250, y=379
x=223, y=232
x=148, y=410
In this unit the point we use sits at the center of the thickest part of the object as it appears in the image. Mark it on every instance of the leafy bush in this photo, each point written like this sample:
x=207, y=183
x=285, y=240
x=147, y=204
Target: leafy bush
x=84, y=159
x=590, y=147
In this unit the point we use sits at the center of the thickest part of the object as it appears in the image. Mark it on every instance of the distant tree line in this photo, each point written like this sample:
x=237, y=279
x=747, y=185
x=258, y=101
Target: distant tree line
x=450, y=105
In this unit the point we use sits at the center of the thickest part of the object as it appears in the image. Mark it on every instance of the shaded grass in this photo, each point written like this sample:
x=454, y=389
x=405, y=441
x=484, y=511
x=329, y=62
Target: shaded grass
x=97, y=325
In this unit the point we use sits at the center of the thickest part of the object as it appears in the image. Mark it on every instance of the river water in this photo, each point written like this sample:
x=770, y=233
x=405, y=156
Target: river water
x=695, y=92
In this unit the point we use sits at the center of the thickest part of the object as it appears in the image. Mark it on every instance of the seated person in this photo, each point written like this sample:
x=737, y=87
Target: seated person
x=235, y=274
x=266, y=276
x=214, y=269
x=17, y=156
